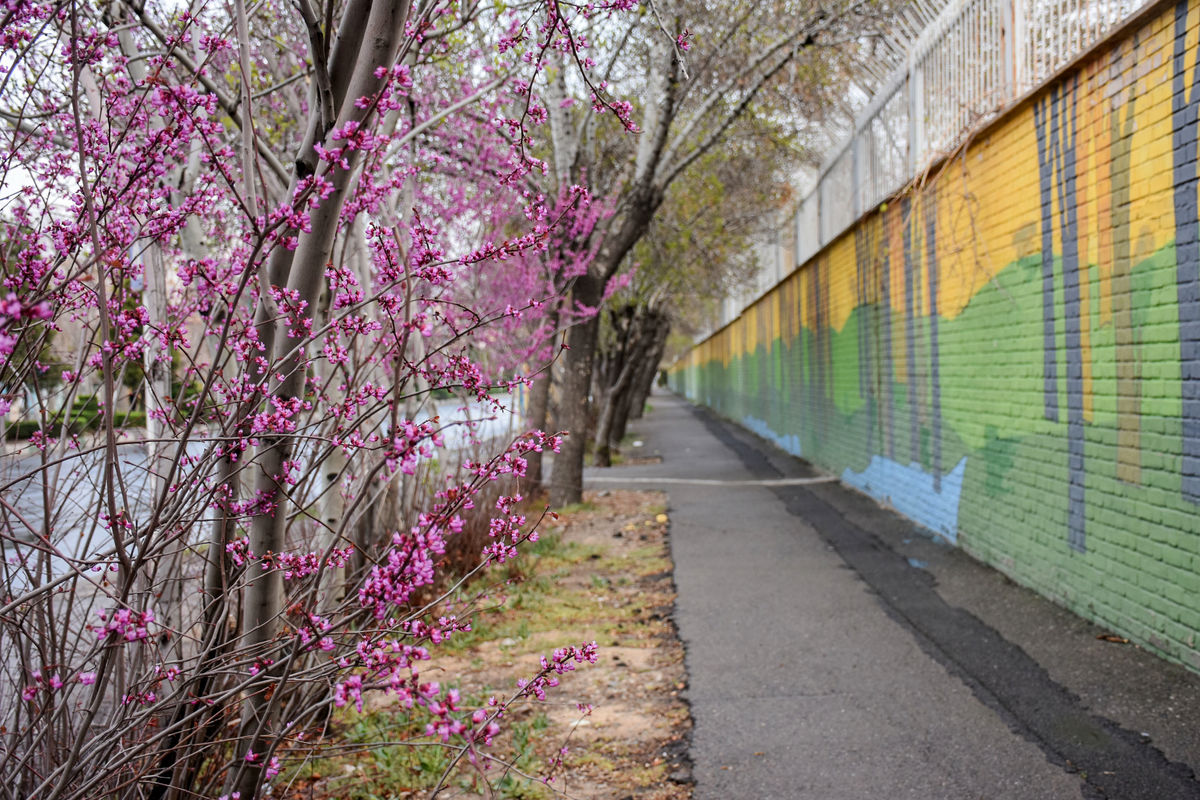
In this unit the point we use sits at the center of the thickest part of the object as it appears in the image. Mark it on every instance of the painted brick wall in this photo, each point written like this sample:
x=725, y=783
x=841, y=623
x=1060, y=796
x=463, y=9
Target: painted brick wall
x=1010, y=354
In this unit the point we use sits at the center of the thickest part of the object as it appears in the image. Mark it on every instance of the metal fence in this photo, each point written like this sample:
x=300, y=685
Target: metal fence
x=974, y=60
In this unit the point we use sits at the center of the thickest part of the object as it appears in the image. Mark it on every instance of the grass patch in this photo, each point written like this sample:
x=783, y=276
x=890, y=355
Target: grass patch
x=595, y=574
x=575, y=508
x=385, y=757
x=526, y=597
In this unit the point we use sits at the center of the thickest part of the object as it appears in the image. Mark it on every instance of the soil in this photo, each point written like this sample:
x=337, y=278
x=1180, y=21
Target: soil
x=602, y=572
x=633, y=742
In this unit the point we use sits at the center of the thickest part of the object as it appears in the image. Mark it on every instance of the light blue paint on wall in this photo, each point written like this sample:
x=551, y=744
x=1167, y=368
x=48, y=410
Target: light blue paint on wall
x=789, y=444
x=909, y=490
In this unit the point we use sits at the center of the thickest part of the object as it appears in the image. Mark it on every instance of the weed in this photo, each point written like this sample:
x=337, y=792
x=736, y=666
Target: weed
x=547, y=544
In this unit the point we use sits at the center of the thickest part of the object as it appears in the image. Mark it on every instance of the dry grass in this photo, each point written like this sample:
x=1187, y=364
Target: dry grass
x=601, y=572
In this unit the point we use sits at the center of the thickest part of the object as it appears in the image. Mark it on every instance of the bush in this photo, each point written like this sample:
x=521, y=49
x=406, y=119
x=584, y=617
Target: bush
x=85, y=416
x=22, y=429
x=128, y=419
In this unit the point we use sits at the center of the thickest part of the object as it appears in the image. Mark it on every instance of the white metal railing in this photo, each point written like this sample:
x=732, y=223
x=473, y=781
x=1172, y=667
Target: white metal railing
x=976, y=58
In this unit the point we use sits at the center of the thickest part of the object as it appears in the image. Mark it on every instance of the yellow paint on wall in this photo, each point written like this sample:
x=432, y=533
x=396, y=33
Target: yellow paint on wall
x=895, y=260
x=957, y=246
x=1101, y=123
x=838, y=281
x=750, y=329
x=803, y=290
x=793, y=305
x=1000, y=173
x=766, y=322
x=1152, y=182
x=776, y=317
x=1085, y=156
x=873, y=256
x=785, y=318
x=921, y=256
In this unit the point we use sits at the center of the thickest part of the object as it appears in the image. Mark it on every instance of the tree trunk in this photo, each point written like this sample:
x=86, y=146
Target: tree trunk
x=333, y=509
x=645, y=196
x=155, y=364
x=612, y=398
x=537, y=416
x=620, y=420
x=380, y=37
x=633, y=400
x=566, y=480
x=535, y=419
x=645, y=381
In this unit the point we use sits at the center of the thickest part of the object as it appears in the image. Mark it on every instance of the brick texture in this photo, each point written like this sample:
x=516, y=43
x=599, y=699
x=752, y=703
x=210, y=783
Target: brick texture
x=1011, y=355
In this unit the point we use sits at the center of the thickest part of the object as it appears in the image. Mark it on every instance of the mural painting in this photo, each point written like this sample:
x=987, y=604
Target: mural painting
x=1009, y=354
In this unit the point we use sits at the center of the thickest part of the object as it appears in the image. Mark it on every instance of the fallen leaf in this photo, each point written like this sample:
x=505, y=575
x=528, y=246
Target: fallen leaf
x=661, y=518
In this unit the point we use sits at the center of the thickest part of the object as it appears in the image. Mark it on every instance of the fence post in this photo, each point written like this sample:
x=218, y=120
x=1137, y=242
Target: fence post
x=856, y=175
x=822, y=212
x=865, y=180
x=1015, y=43
x=778, y=271
x=915, y=86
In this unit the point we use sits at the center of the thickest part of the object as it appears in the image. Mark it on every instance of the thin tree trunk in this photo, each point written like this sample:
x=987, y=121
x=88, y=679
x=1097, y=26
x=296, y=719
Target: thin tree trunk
x=604, y=426
x=643, y=360
x=535, y=419
x=566, y=480
x=620, y=420
x=627, y=359
x=333, y=508
x=645, y=381
x=157, y=389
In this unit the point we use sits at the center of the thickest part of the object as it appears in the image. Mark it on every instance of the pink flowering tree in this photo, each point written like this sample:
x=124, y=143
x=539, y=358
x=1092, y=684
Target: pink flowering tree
x=242, y=250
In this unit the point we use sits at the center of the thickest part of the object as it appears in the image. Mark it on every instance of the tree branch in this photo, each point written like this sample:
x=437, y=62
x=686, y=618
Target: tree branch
x=228, y=105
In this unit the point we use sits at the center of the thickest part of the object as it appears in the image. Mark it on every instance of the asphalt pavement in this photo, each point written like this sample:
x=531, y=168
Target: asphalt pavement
x=834, y=650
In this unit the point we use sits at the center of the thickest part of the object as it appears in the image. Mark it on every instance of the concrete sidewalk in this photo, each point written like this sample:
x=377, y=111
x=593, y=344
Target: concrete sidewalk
x=834, y=651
